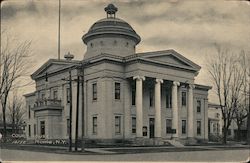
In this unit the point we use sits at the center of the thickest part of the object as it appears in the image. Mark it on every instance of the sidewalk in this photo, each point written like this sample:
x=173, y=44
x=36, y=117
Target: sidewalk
x=123, y=150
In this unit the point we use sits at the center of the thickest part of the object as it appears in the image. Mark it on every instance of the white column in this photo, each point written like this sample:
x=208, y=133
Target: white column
x=158, y=108
x=139, y=115
x=127, y=109
x=175, y=109
x=190, y=111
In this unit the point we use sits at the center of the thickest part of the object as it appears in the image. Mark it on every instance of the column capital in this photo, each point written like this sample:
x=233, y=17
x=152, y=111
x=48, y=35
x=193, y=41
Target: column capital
x=191, y=86
x=159, y=80
x=176, y=83
x=138, y=77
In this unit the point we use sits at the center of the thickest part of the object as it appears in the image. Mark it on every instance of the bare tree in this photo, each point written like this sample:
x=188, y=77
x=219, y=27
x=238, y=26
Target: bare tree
x=240, y=103
x=227, y=78
x=13, y=65
x=16, y=112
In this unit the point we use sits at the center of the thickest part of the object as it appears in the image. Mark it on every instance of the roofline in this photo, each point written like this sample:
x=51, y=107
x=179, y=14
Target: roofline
x=203, y=87
x=170, y=51
x=57, y=71
x=29, y=94
x=133, y=57
x=90, y=36
x=213, y=104
x=50, y=61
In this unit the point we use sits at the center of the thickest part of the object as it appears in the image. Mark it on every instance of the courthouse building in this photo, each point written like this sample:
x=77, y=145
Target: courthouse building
x=126, y=95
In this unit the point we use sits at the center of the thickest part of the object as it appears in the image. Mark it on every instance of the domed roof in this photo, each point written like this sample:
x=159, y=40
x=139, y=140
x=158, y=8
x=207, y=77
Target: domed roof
x=111, y=26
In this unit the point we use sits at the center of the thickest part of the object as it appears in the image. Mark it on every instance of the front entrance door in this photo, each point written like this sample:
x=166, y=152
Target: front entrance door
x=151, y=127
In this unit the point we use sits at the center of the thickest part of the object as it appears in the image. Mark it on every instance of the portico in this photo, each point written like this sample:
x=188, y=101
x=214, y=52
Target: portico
x=158, y=107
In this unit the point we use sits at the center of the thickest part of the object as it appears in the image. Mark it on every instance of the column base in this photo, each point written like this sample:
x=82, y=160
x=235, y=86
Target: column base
x=158, y=141
x=191, y=141
x=138, y=141
x=141, y=141
x=175, y=138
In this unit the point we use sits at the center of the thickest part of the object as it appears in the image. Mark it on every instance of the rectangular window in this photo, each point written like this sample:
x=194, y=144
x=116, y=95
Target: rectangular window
x=68, y=126
x=55, y=95
x=214, y=128
x=133, y=95
x=168, y=126
x=198, y=127
x=218, y=128
x=183, y=126
x=34, y=129
x=183, y=98
x=94, y=125
x=117, y=91
x=29, y=111
x=68, y=95
x=198, y=106
x=144, y=131
x=217, y=115
x=133, y=125
x=42, y=128
x=43, y=96
x=94, y=91
x=151, y=97
x=29, y=131
x=168, y=98
x=117, y=124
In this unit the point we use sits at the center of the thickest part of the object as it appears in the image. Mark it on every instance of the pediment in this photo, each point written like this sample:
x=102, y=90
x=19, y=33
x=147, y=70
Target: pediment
x=170, y=57
x=51, y=66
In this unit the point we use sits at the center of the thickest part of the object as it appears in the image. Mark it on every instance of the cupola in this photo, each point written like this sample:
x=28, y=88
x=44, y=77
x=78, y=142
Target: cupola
x=110, y=35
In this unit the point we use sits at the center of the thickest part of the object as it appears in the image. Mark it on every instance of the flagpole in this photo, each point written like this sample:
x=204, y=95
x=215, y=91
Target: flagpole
x=59, y=28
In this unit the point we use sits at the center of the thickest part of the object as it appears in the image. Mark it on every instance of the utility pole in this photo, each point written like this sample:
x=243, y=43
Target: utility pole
x=78, y=80
x=83, y=115
x=77, y=112
x=70, y=112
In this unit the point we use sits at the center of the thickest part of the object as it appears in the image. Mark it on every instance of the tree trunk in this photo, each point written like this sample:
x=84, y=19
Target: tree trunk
x=13, y=122
x=224, y=141
x=239, y=132
x=4, y=126
x=4, y=116
x=248, y=128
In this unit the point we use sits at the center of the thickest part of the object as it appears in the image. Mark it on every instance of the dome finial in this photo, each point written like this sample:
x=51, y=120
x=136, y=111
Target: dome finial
x=111, y=10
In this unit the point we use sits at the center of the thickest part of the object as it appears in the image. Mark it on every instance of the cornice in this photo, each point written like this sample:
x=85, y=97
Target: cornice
x=135, y=58
x=202, y=87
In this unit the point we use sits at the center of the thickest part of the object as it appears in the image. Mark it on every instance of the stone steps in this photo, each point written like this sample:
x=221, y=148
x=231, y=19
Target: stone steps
x=174, y=143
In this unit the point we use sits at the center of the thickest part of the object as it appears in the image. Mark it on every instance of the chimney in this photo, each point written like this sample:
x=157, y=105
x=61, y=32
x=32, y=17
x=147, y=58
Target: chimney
x=68, y=56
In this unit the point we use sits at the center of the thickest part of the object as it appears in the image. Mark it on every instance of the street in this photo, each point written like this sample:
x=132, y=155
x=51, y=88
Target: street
x=234, y=155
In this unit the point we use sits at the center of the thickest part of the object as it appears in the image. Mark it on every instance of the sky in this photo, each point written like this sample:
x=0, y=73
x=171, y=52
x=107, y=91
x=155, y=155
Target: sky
x=192, y=28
